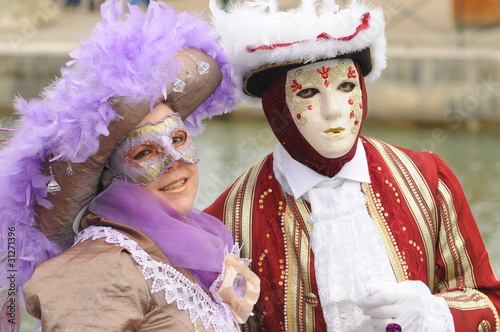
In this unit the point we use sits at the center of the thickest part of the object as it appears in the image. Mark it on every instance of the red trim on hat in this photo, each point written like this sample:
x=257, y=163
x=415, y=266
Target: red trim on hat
x=365, y=24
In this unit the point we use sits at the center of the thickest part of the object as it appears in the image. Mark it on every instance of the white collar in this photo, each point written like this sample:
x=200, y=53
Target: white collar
x=297, y=178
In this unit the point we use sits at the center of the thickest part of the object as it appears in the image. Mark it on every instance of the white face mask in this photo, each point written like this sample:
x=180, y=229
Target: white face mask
x=325, y=100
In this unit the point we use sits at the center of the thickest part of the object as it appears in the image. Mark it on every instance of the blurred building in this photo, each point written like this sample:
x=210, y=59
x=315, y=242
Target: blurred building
x=443, y=55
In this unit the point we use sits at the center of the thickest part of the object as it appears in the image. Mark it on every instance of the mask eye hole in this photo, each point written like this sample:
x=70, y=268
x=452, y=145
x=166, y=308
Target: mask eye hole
x=307, y=93
x=346, y=86
x=179, y=138
x=144, y=152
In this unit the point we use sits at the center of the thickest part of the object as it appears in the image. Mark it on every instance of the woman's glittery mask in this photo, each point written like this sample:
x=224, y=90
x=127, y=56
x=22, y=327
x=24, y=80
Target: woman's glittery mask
x=148, y=151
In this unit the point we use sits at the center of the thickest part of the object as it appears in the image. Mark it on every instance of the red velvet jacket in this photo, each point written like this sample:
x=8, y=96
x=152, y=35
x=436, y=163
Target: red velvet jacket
x=420, y=211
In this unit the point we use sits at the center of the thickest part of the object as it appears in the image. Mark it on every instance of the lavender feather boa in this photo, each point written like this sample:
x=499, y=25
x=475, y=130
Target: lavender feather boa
x=121, y=58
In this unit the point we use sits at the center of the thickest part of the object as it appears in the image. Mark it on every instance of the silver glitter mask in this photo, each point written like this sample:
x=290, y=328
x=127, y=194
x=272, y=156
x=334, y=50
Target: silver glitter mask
x=149, y=150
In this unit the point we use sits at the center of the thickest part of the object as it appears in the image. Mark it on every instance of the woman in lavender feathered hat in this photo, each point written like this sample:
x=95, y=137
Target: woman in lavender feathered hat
x=117, y=124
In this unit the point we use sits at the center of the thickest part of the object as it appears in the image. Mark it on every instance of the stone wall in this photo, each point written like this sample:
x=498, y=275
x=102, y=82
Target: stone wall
x=438, y=88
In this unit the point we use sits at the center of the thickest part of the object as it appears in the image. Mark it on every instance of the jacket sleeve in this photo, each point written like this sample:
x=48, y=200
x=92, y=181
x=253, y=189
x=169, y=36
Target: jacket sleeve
x=466, y=279
x=85, y=289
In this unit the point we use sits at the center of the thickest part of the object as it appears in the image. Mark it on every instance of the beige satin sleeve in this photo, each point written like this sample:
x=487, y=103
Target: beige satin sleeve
x=93, y=286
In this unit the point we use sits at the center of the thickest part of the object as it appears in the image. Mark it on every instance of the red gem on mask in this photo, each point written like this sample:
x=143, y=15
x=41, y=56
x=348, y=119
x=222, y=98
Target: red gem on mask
x=352, y=114
x=351, y=101
x=351, y=73
x=356, y=122
x=295, y=86
x=299, y=116
x=324, y=72
x=326, y=83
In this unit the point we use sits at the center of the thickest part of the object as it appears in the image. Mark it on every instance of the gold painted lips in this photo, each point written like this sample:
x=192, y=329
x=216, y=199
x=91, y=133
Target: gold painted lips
x=334, y=132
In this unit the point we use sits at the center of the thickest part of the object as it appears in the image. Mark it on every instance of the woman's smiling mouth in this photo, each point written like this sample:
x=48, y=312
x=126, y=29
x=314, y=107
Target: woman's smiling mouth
x=175, y=185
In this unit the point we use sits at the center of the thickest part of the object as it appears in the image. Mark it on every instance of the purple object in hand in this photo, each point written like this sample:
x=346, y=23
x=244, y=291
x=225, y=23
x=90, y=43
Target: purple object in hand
x=393, y=327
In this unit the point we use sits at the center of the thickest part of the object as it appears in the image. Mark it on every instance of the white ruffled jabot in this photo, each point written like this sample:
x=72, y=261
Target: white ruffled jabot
x=348, y=251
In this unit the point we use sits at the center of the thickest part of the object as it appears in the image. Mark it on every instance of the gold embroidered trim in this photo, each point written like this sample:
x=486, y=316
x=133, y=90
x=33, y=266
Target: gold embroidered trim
x=239, y=206
x=397, y=262
x=296, y=229
x=247, y=209
x=231, y=218
x=470, y=299
x=458, y=265
x=416, y=194
x=237, y=217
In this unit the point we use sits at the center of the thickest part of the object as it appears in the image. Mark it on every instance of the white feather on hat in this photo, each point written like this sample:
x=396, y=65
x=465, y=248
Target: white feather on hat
x=259, y=37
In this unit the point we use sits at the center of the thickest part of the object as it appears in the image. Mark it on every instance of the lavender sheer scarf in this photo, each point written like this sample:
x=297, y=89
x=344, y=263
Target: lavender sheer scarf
x=196, y=241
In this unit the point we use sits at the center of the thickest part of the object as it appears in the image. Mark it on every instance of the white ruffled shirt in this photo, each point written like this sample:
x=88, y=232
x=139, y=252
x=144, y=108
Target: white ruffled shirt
x=348, y=250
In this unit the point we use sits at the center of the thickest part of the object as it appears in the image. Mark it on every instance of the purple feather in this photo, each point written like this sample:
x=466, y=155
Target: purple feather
x=120, y=58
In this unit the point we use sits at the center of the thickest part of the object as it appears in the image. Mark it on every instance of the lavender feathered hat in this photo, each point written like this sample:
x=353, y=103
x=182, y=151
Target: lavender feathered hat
x=139, y=57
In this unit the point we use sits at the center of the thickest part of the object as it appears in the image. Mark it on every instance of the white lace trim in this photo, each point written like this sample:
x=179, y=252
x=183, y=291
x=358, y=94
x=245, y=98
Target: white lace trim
x=188, y=295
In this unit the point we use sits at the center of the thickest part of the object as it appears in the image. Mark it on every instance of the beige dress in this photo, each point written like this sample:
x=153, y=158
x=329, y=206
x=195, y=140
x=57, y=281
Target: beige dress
x=116, y=279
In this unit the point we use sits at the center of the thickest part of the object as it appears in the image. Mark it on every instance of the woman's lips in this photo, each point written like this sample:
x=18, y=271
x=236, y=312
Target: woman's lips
x=176, y=185
x=334, y=132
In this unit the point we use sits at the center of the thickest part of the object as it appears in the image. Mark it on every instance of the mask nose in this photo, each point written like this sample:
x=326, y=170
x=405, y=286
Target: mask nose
x=330, y=106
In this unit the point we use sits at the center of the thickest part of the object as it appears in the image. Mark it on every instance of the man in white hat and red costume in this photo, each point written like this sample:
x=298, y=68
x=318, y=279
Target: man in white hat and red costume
x=346, y=232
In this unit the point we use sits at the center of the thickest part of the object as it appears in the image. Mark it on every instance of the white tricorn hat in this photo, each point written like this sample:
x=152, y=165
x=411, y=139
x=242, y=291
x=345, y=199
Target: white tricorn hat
x=263, y=41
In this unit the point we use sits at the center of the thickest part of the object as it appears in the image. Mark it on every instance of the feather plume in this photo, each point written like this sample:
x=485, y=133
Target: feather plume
x=257, y=23
x=127, y=57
